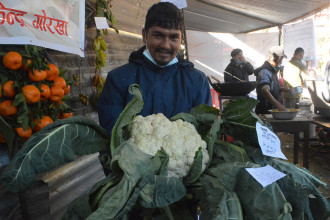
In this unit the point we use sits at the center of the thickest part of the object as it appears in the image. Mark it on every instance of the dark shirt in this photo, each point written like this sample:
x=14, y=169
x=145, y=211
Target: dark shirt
x=267, y=75
x=241, y=71
x=168, y=90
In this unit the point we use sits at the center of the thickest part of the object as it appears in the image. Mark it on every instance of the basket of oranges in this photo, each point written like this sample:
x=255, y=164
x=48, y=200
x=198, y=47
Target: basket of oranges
x=32, y=90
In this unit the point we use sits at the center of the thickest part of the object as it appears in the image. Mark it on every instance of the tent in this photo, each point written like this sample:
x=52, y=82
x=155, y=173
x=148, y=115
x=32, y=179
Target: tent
x=244, y=16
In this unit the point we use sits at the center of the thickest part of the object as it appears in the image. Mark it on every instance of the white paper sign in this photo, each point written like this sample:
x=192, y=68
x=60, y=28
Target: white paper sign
x=269, y=143
x=101, y=23
x=178, y=3
x=265, y=175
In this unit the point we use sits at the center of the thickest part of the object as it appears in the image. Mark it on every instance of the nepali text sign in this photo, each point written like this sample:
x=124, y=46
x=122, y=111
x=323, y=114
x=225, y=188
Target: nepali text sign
x=55, y=24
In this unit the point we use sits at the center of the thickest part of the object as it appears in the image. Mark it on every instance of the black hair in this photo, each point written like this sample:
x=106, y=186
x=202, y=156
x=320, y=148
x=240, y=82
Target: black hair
x=235, y=52
x=298, y=51
x=165, y=15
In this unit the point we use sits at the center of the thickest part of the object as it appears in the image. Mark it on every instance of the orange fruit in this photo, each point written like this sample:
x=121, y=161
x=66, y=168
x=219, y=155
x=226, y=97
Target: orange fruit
x=27, y=66
x=46, y=120
x=37, y=75
x=65, y=115
x=44, y=95
x=2, y=139
x=31, y=94
x=12, y=60
x=60, y=82
x=56, y=93
x=0, y=91
x=9, y=90
x=25, y=134
x=66, y=89
x=52, y=73
x=7, y=108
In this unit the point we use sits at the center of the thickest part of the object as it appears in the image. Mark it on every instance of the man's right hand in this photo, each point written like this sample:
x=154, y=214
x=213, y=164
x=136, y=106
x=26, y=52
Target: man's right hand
x=282, y=108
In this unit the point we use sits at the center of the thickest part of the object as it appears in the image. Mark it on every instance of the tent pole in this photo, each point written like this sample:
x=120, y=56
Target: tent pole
x=185, y=42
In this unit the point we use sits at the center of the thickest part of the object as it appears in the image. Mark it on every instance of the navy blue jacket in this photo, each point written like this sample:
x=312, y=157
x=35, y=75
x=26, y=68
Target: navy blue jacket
x=267, y=75
x=169, y=90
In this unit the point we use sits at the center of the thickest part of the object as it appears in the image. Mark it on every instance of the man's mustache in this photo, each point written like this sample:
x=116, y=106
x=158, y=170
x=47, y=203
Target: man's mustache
x=158, y=50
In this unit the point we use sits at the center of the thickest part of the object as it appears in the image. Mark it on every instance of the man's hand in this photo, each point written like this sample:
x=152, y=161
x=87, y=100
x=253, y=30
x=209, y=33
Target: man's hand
x=242, y=58
x=281, y=108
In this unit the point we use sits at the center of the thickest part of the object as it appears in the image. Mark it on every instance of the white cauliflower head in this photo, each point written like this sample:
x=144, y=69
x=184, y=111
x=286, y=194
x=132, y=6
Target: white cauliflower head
x=179, y=139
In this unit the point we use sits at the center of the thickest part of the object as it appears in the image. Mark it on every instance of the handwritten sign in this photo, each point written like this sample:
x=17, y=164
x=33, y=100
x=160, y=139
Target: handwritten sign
x=269, y=143
x=265, y=175
x=101, y=23
x=59, y=26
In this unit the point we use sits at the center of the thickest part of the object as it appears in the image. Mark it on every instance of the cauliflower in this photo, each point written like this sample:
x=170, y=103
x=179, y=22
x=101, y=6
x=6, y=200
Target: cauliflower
x=179, y=139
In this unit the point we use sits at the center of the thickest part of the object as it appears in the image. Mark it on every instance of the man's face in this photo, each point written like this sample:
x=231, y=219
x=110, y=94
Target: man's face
x=238, y=56
x=163, y=44
x=279, y=60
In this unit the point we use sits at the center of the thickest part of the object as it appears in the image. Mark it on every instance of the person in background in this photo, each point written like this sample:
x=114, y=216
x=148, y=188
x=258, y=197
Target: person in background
x=293, y=74
x=268, y=89
x=169, y=85
x=238, y=67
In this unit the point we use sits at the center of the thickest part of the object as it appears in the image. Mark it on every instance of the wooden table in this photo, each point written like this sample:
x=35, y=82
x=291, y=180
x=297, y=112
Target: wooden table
x=296, y=125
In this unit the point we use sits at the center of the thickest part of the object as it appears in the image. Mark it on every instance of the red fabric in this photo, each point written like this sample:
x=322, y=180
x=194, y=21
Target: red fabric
x=215, y=99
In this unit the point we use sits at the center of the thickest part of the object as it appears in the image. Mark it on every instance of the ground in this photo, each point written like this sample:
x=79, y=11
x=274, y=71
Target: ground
x=319, y=158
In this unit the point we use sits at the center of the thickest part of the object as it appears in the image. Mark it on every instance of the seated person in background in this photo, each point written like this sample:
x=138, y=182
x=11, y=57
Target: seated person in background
x=238, y=67
x=293, y=74
x=268, y=89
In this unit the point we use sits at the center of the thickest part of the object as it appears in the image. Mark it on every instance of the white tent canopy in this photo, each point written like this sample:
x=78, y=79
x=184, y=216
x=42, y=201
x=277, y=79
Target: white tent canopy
x=242, y=16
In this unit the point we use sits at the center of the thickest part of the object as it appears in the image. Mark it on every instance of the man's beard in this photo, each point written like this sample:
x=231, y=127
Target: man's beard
x=159, y=50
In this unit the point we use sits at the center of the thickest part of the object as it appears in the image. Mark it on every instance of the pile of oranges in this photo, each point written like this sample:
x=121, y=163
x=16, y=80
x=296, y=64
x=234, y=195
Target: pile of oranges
x=30, y=97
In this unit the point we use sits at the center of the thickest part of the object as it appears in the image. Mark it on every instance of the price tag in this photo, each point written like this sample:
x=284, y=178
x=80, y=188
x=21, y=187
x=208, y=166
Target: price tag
x=101, y=23
x=269, y=143
x=265, y=175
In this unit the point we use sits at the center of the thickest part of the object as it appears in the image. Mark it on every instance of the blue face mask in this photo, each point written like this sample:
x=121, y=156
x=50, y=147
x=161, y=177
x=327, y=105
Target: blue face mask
x=239, y=61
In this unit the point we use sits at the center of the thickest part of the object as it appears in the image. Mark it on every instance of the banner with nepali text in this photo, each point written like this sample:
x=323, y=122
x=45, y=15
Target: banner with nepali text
x=54, y=24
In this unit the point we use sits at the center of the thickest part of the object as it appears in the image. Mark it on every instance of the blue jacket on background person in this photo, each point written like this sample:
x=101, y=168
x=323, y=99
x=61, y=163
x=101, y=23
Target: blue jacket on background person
x=267, y=75
x=169, y=90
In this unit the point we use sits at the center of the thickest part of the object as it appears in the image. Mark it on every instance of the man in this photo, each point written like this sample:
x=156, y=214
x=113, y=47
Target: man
x=169, y=85
x=238, y=67
x=268, y=90
x=293, y=74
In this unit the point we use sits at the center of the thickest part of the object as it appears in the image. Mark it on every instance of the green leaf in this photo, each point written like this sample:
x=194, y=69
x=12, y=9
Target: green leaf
x=185, y=117
x=241, y=121
x=103, y=44
x=261, y=202
x=96, y=44
x=113, y=20
x=8, y=133
x=211, y=137
x=196, y=168
x=217, y=202
x=83, y=206
x=127, y=116
x=135, y=164
x=54, y=145
x=164, y=162
x=160, y=191
x=230, y=152
x=205, y=114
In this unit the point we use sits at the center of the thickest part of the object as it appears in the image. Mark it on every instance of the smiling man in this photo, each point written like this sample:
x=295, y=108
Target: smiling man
x=169, y=85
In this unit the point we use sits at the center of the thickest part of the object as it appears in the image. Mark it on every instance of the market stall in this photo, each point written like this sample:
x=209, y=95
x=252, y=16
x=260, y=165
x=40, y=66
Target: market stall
x=57, y=172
